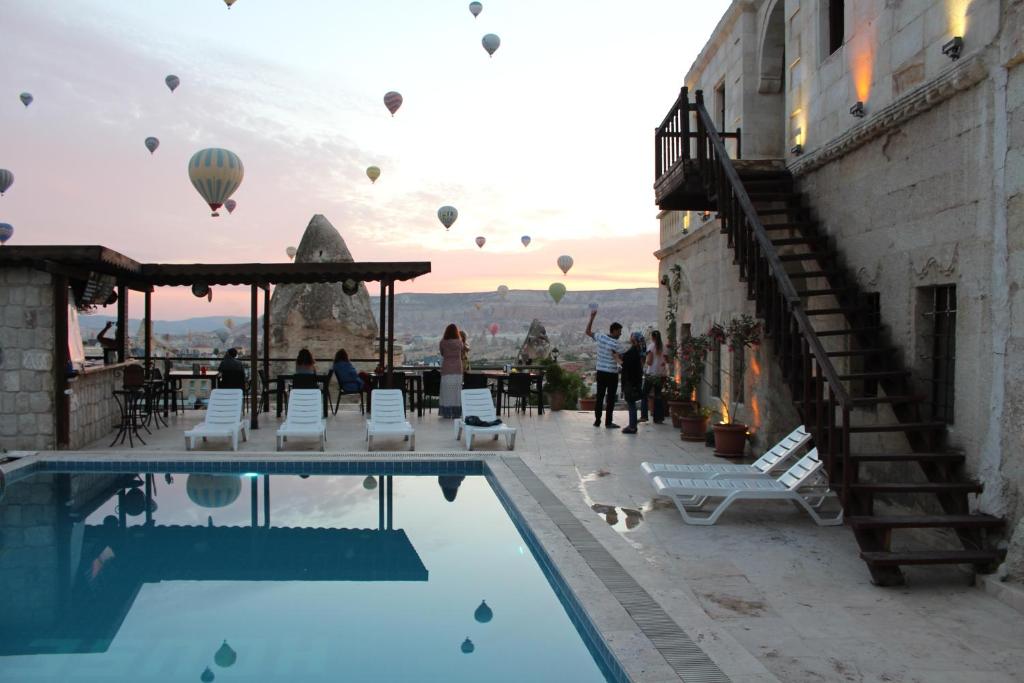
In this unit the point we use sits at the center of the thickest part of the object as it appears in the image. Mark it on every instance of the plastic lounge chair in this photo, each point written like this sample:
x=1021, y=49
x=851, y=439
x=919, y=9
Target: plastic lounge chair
x=305, y=418
x=387, y=417
x=796, y=485
x=478, y=402
x=773, y=459
x=223, y=419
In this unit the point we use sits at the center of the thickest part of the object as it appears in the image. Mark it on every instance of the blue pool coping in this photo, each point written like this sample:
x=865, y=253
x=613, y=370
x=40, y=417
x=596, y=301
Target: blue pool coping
x=589, y=634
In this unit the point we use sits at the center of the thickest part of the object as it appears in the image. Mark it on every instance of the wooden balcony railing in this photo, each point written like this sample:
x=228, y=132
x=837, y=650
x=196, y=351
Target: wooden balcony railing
x=675, y=138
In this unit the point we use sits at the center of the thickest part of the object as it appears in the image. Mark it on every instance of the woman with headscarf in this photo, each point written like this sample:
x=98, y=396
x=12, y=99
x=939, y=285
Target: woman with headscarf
x=451, y=347
x=633, y=378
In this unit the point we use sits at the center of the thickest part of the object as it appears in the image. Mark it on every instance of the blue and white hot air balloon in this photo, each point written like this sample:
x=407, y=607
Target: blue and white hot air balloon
x=152, y=143
x=172, y=82
x=6, y=230
x=491, y=43
x=26, y=98
x=6, y=180
x=216, y=174
x=475, y=8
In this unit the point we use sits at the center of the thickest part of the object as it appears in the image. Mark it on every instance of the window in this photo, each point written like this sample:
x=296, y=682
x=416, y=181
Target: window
x=739, y=369
x=835, y=27
x=720, y=106
x=716, y=370
x=940, y=324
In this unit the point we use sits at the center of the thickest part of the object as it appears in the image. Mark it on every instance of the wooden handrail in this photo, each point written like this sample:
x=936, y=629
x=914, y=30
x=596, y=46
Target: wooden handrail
x=716, y=164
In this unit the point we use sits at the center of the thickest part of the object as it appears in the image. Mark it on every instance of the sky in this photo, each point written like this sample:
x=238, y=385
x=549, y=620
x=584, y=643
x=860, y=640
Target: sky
x=552, y=137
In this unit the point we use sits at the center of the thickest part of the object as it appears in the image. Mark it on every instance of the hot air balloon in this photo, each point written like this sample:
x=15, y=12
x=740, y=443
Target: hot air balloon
x=476, y=8
x=229, y=323
x=480, y=241
x=230, y=205
x=213, y=490
x=483, y=613
x=291, y=252
x=565, y=263
x=172, y=82
x=393, y=101
x=151, y=144
x=502, y=291
x=370, y=483
x=491, y=43
x=229, y=3
x=373, y=173
x=447, y=216
x=225, y=656
x=6, y=230
x=26, y=98
x=207, y=676
x=216, y=174
x=6, y=180
x=557, y=291
x=350, y=287
x=493, y=329
x=525, y=239
x=467, y=646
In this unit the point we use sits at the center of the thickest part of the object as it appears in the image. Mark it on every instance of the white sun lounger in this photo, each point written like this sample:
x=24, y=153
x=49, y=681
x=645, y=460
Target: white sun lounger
x=387, y=417
x=478, y=402
x=773, y=459
x=305, y=419
x=223, y=420
x=796, y=485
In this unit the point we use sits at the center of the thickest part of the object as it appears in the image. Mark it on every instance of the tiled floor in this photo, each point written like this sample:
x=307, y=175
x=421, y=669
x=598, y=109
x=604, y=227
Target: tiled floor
x=764, y=584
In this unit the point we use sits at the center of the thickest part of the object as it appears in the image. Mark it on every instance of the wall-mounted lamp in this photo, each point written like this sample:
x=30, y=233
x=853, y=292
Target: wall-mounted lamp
x=857, y=110
x=797, y=149
x=953, y=48
x=706, y=216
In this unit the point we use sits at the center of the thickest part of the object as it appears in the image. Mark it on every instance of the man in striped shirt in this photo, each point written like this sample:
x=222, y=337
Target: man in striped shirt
x=608, y=359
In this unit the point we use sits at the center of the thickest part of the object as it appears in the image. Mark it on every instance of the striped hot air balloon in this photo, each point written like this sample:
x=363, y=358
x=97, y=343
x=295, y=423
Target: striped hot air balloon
x=216, y=174
x=6, y=230
x=565, y=263
x=393, y=100
x=172, y=82
x=525, y=239
x=151, y=144
x=480, y=241
x=447, y=216
x=213, y=490
x=229, y=3
x=475, y=8
x=6, y=180
x=230, y=205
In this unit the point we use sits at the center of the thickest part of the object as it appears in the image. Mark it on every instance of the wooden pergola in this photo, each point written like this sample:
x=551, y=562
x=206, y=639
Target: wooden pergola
x=97, y=267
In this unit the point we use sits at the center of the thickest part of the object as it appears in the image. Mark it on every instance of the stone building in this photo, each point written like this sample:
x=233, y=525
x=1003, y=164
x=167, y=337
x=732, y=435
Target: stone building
x=894, y=131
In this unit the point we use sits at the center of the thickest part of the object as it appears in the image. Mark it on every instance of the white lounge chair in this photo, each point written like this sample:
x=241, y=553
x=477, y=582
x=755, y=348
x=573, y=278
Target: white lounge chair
x=305, y=419
x=478, y=402
x=223, y=420
x=797, y=484
x=773, y=459
x=387, y=417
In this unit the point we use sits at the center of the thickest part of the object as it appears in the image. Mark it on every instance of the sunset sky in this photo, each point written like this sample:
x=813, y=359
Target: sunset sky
x=552, y=137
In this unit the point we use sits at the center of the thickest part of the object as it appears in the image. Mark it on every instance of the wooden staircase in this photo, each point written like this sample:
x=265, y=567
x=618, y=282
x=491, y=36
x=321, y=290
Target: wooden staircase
x=837, y=359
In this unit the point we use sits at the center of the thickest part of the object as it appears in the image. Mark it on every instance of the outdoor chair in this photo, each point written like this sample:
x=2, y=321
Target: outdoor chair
x=478, y=403
x=387, y=418
x=264, y=389
x=305, y=418
x=431, y=386
x=773, y=459
x=341, y=392
x=223, y=419
x=474, y=381
x=519, y=387
x=801, y=484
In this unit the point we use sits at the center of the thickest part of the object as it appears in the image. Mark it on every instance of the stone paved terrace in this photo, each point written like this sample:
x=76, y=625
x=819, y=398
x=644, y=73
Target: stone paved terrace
x=766, y=593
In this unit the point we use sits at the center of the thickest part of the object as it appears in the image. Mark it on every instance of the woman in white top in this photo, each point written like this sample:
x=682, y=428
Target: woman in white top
x=655, y=371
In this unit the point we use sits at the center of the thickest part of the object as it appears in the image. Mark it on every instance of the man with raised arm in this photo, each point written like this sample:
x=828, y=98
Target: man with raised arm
x=608, y=359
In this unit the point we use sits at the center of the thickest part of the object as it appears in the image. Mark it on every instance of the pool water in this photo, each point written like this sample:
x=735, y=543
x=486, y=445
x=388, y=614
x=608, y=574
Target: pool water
x=274, y=578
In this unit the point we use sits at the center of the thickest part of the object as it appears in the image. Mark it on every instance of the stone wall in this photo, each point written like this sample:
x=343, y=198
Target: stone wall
x=94, y=412
x=27, y=418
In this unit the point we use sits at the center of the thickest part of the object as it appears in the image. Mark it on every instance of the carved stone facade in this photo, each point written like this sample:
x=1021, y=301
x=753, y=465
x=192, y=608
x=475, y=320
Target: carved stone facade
x=926, y=190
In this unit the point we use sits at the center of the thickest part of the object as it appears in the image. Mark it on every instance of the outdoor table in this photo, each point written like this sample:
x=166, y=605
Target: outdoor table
x=128, y=402
x=501, y=378
x=154, y=388
x=280, y=380
x=180, y=375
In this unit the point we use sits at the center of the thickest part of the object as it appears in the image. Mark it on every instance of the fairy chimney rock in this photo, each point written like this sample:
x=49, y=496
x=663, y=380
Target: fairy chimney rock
x=536, y=345
x=321, y=317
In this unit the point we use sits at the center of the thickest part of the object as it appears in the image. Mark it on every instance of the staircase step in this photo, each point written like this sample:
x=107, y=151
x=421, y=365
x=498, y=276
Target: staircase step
x=918, y=487
x=812, y=239
x=809, y=256
x=777, y=211
x=882, y=374
x=848, y=331
x=827, y=292
x=811, y=273
x=761, y=195
x=898, y=427
x=937, y=458
x=862, y=352
x=884, y=559
x=789, y=225
x=862, y=401
x=835, y=311
x=926, y=522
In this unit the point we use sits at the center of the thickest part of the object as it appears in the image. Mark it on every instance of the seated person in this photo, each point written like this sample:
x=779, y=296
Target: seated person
x=304, y=364
x=232, y=372
x=348, y=377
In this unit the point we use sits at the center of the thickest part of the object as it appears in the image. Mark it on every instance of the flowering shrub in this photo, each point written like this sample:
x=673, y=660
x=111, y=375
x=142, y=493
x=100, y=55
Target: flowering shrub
x=741, y=332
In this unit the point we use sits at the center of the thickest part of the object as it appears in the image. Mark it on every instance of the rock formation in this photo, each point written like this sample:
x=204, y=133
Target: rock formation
x=536, y=346
x=321, y=317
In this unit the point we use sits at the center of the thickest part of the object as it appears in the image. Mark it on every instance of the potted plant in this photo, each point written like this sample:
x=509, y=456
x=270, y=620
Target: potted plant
x=694, y=426
x=693, y=354
x=562, y=387
x=672, y=394
x=739, y=334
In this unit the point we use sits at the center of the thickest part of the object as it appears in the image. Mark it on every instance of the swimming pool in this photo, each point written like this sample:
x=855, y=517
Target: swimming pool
x=271, y=575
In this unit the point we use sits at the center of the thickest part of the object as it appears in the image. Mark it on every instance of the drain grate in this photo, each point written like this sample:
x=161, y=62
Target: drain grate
x=684, y=656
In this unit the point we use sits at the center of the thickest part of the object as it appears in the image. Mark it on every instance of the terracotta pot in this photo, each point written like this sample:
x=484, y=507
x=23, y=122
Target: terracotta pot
x=556, y=400
x=693, y=428
x=730, y=439
x=676, y=409
x=588, y=404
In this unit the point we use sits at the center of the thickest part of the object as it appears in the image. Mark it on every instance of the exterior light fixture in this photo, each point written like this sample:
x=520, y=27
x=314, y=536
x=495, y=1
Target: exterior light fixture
x=857, y=110
x=797, y=149
x=953, y=48
x=705, y=216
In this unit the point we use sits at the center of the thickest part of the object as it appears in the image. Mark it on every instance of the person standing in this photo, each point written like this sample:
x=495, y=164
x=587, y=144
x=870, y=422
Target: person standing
x=451, y=347
x=607, y=370
x=465, y=351
x=655, y=372
x=632, y=378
